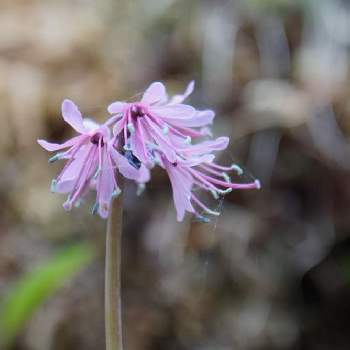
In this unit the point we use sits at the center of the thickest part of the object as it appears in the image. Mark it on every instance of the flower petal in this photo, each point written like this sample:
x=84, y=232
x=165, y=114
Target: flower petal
x=204, y=147
x=201, y=118
x=72, y=116
x=174, y=111
x=138, y=143
x=90, y=124
x=105, y=186
x=156, y=92
x=181, y=97
x=144, y=174
x=65, y=186
x=51, y=147
x=73, y=169
x=206, y=158
x=116, y=107
x=119, y=126
x=181, y=184
x=163, y=142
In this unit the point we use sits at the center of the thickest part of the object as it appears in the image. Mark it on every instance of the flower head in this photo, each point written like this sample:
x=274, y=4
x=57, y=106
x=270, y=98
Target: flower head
x=157, y=130
x=156, y=120
x=199, y=172
x=91, y=162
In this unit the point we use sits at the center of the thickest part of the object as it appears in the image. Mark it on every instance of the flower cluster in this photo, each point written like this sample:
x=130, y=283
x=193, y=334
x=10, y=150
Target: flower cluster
x=157, y=130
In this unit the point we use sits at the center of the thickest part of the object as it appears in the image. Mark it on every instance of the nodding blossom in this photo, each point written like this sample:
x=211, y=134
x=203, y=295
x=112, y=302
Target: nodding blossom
x=198, y=171
x=157, y=121
x=157, y=130
x=92, y=162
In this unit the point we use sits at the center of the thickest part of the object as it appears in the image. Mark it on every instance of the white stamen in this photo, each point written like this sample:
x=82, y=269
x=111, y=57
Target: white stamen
x=140, y=189
x=188, y=140
x=116, y=193
x=131, y=128
x=53, y=186
x=226, y=177
x=127, y=147
x=212, y=212
x=55, y=158
x=228, y=190
x=157, y=161
x=257, y=184
x=152, y=146
x=237, y=169
x=165, y=130
x=214, y=193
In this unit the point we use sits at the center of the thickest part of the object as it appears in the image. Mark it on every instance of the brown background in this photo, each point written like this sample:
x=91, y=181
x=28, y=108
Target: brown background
x=270, y=272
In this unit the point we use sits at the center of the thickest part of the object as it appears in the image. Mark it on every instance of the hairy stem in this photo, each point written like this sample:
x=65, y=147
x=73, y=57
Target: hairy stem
x=113, y=319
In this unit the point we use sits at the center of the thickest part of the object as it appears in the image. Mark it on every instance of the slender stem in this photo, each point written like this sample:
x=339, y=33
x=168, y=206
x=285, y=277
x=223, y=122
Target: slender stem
x=113, y=319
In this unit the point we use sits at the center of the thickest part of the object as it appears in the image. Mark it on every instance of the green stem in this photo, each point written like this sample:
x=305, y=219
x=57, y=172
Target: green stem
x=113, y=319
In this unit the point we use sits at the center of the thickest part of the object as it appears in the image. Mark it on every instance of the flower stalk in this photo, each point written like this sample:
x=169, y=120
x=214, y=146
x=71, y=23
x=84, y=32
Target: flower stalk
x=113, y=316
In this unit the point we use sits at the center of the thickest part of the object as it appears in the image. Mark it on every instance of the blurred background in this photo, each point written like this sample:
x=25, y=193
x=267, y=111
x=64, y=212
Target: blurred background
x=273, y=271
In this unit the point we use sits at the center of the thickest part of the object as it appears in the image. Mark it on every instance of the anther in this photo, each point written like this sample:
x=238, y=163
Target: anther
x=237, y=169
x=214, y=194
x=53, y=186
x=157, y=161
x=152, y=146
x=55, y=158
x=131, y=128
x=226, y=177
x=257, y=184
x=188, y=140
x=116, y=193
x=165, y=130
x=212, y=212
x=140, y=189
x=228, y=190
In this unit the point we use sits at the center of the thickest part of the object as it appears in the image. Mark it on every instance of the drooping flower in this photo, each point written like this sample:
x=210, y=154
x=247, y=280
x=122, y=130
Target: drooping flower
x=92, y=162
x=158, y=130
x=199, y=172
x=139, y=135
x=156, y=120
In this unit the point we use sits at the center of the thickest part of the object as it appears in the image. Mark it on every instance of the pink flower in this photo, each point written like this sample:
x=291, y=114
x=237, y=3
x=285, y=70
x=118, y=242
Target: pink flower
x=208, y=176
x=155, y=131
x=199, y=171
x=156, y=121
x=91, y=162
x=159, y=130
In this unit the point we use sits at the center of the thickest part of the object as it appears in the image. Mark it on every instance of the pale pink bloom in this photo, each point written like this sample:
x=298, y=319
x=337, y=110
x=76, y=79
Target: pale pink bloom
x=198, y=171
x=155, y=121
x=159, y=130
x=92, y=162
